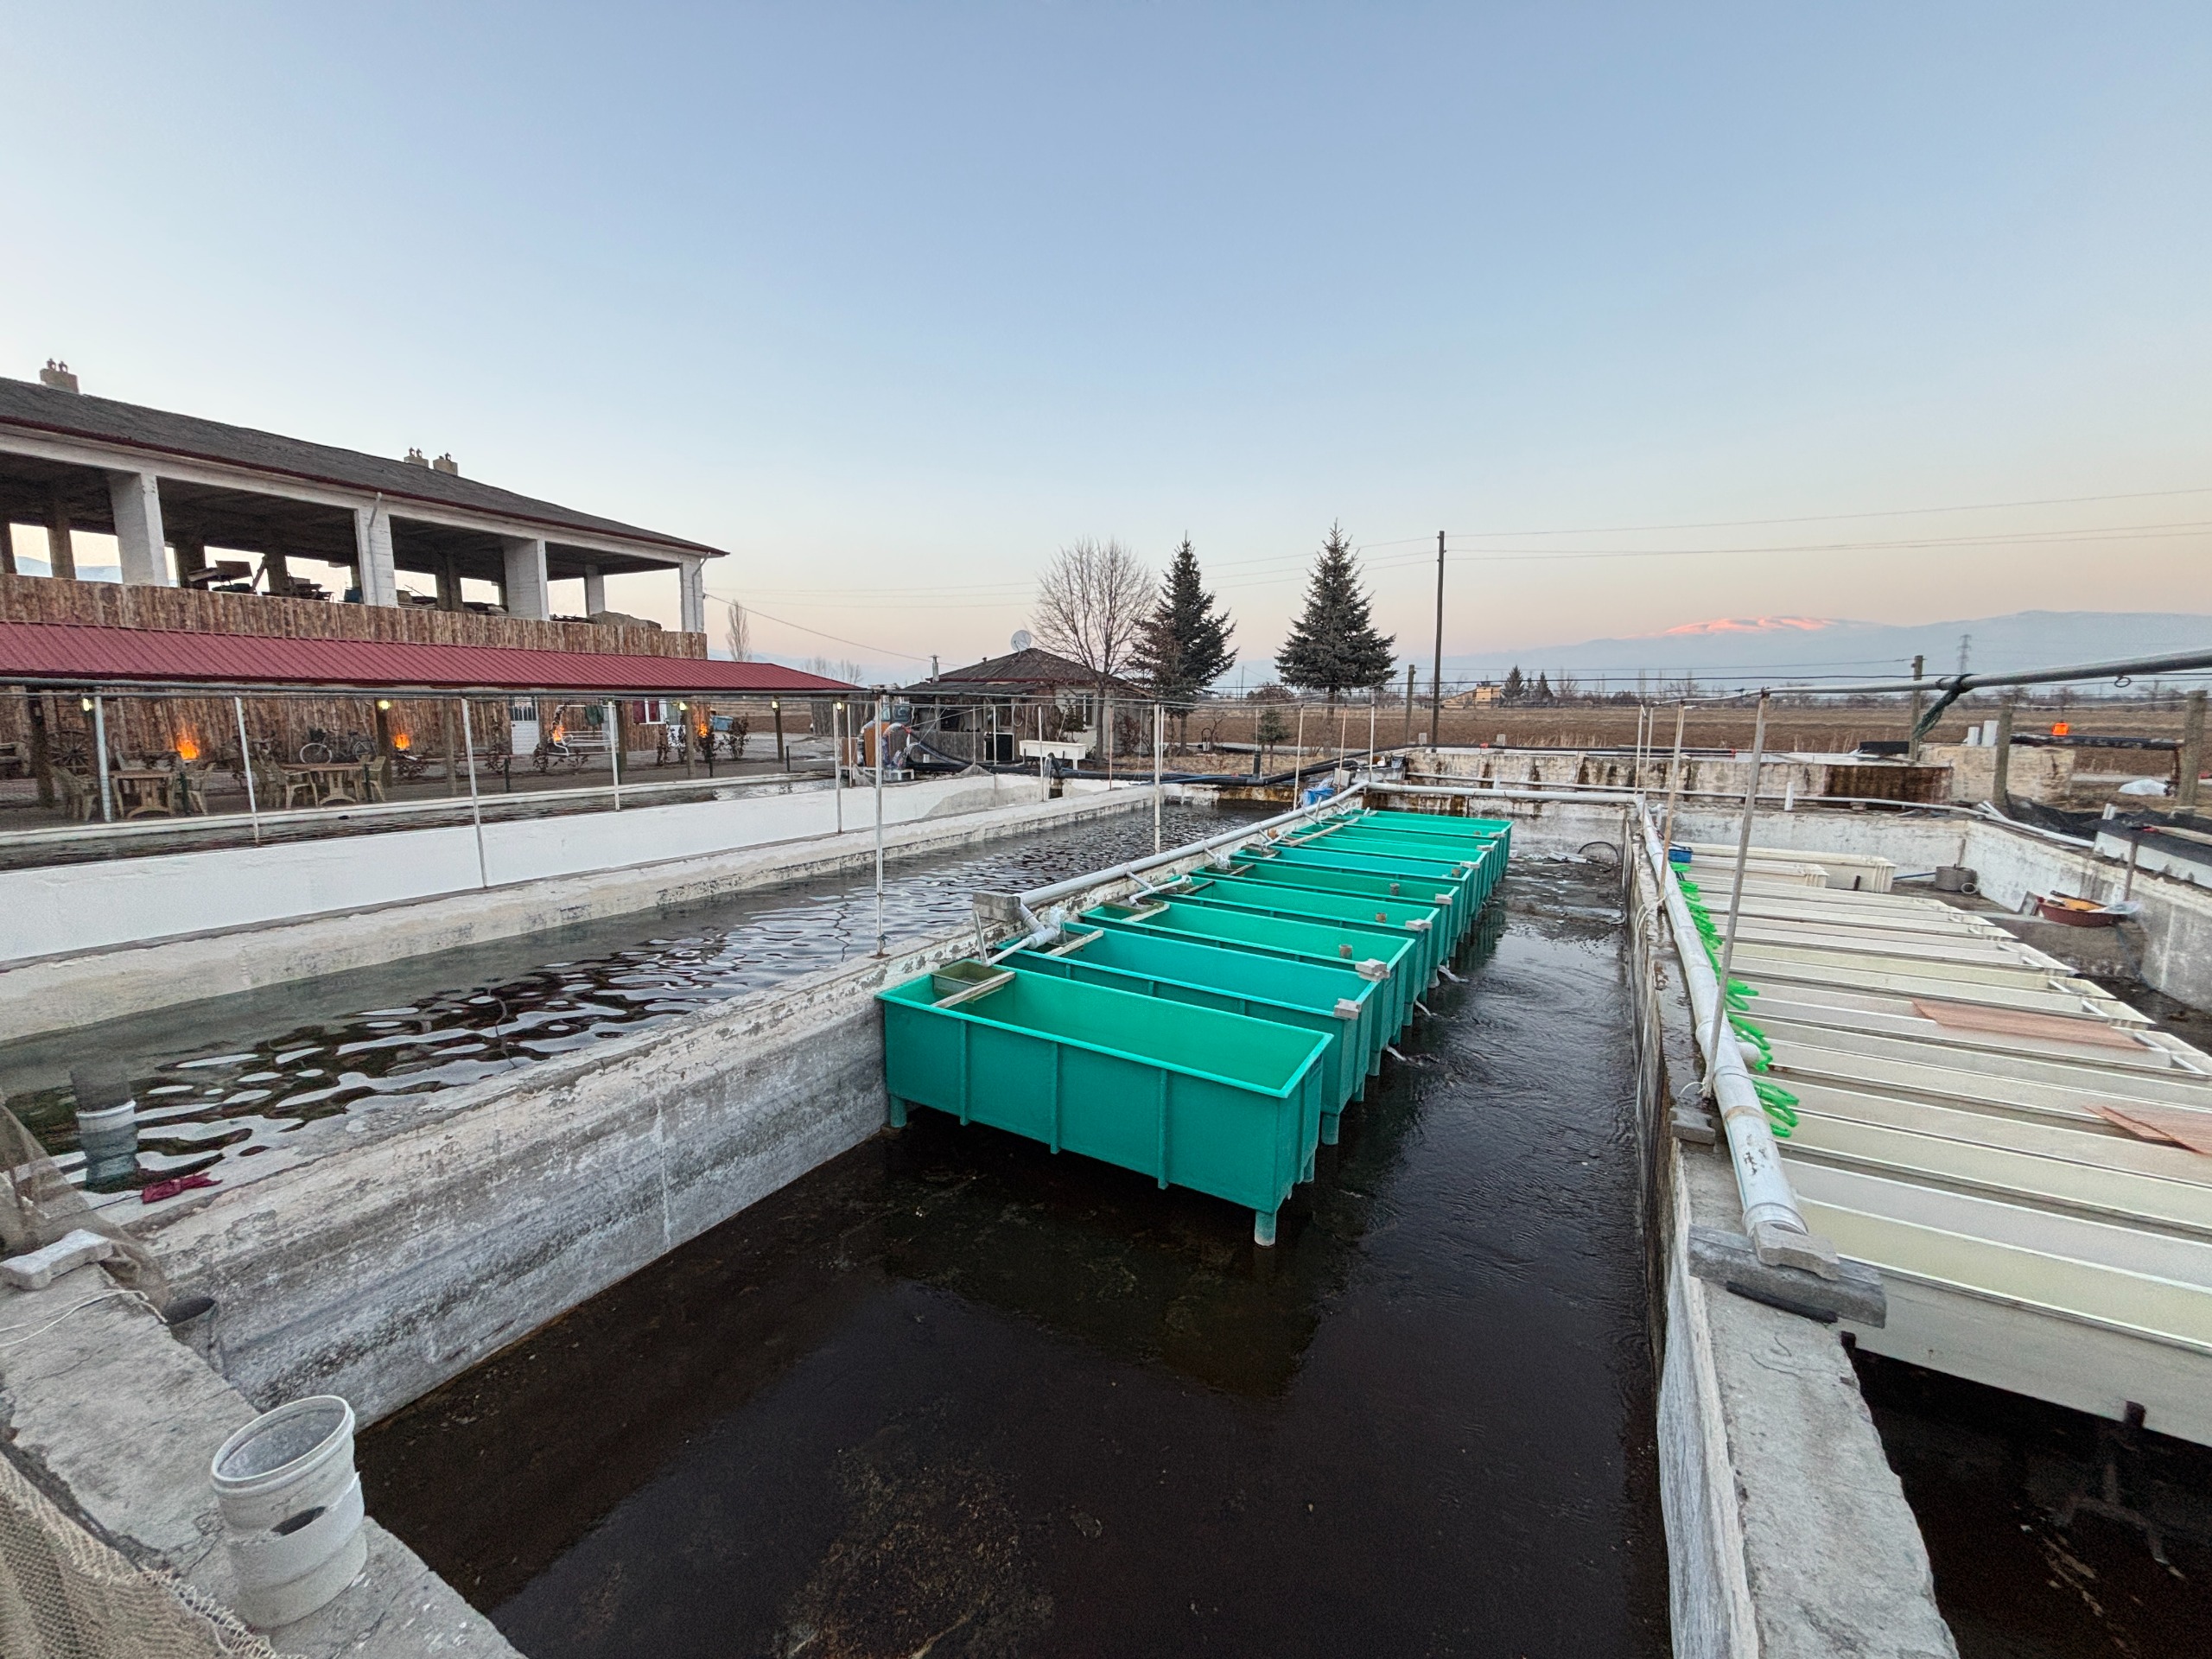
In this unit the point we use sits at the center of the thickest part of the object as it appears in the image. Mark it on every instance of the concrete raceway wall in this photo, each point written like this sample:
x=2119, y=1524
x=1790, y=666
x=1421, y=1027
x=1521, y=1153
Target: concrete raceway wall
x=64, y=909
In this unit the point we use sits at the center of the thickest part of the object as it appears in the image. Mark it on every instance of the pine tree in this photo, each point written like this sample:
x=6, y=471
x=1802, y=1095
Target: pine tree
x=1543, y=687
x=1183, y=646
x=1334, y=646
x=1515, y=686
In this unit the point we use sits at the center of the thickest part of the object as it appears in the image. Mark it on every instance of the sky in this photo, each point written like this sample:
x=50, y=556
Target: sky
x=1661, y=314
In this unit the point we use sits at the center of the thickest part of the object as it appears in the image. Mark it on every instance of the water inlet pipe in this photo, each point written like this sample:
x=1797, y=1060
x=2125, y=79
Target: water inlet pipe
x=882, y=722
x=475, y=803
x=1776, y=1227
x=614, y=752
x=245, y=765
x=1155, y=778
x=100, y=749
x=1076, y=884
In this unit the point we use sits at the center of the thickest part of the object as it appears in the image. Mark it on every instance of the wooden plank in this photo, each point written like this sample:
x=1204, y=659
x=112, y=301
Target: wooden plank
x=2022, y=1022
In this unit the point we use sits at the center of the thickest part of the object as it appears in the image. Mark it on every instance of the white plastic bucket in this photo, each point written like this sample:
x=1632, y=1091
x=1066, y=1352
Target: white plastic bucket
x=291, y=1508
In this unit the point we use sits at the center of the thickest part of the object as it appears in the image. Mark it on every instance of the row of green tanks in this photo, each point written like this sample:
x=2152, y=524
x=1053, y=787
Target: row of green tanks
x=1210, y=1032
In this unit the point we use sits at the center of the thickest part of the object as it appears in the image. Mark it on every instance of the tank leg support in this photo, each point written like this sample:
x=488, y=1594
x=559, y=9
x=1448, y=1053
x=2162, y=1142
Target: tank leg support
x=1263, y=1226
x=1329, y=1122
x=898, y=1112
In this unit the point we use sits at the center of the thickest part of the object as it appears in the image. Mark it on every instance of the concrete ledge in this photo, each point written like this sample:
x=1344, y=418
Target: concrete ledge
x=1787, y=1535
x=118, y=1421
x=58, y=993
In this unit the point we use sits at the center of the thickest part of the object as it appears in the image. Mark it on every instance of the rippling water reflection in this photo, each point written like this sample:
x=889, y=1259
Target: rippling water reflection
x=229, y=1078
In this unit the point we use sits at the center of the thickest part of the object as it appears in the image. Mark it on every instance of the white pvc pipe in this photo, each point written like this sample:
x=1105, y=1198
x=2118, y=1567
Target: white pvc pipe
x=245, y=765
x=1243, y=832
x=1776, y=1227
x=837, y=758
x=614, y=752
x=99, y=750
x=882, y=722
x=1155, y=778
x=475, y=805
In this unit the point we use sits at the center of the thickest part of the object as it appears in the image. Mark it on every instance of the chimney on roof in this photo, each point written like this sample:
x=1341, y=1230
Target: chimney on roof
x=446, y=463
x=57, y=375
x=415, y=458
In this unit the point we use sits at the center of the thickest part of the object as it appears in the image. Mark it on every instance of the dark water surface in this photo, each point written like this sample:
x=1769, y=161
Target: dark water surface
x=1990, y=1475
x=952, y=1394
x=227, y=1078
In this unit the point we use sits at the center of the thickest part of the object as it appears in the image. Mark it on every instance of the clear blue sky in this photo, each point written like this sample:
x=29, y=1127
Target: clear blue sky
x=891, y=300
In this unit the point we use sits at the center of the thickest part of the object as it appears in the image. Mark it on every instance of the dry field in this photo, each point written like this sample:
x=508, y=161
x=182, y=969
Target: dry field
x=1807, y=729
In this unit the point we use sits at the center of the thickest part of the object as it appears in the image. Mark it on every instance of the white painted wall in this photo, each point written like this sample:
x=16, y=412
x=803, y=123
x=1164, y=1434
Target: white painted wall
x=67, y=909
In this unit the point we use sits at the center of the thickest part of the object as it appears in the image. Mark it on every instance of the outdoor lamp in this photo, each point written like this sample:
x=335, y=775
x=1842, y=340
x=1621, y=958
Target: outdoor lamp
x=85, y=704
x=384, y=703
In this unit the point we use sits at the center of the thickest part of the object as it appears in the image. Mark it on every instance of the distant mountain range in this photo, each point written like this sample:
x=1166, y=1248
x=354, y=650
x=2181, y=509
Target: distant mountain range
x=1739, y=649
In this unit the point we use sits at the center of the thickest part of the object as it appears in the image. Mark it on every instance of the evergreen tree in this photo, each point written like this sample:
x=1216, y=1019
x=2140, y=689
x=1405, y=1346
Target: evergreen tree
x=1183, y=646
x=1515, y=687
x=1334, y=646
x=1543, y=694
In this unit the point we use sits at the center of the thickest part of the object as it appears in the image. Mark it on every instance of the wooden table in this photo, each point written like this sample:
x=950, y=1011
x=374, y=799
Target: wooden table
x=325, y=781
x=141, y=792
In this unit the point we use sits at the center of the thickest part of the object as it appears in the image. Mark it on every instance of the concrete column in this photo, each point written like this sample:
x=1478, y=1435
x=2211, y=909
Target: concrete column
x=594, y=591
x=7, y=548
x=1999, y=790
x=191, y=557
x=137, y=498
x=694, y=592
x=449, y=584
x=61, y=551
x=2191, y=758
x=526, y=583
x=373, y=568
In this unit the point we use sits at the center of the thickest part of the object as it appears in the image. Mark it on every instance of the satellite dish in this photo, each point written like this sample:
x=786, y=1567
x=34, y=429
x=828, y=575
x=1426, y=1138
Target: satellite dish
x=1022, y=641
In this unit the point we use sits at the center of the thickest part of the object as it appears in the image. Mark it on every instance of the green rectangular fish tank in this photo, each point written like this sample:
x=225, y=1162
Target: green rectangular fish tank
x=1192, y=1096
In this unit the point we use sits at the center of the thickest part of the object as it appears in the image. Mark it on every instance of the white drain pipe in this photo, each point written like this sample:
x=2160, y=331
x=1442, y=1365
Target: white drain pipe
x=1777, y=1226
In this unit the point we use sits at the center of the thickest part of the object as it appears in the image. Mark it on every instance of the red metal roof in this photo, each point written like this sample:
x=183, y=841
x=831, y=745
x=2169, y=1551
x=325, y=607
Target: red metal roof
x=82, y=655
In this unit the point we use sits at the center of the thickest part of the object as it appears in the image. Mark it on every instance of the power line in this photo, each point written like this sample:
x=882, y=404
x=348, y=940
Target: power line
x=903, y=656
x=1832, y=518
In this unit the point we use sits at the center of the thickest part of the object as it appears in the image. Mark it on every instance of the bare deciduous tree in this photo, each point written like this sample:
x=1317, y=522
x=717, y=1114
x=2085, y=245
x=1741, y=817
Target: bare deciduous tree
x=738, y=635
x=1092, y=604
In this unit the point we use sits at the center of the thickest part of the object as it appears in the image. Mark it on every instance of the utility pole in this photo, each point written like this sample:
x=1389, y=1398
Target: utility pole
x=1912, y=736
x=1411, y=669
x=1436, y=673
x=2191, y=757
x=2000, y=785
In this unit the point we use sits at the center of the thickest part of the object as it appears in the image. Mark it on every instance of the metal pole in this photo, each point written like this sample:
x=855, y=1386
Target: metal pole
x=245, y=766
x=838, y=755
x=1373, y=692
x=1155, y=777
x=1913, y=733
x=1436, y=671
x=882, y=718
x=99, y=750
x=475, y=805
x=1674, y=776
x=1408, y=741
x=614, y=752
x=1298, y=755
x=1736, y=888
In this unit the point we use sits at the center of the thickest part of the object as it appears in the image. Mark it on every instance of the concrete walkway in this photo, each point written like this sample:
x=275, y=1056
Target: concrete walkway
x=118, y=1420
